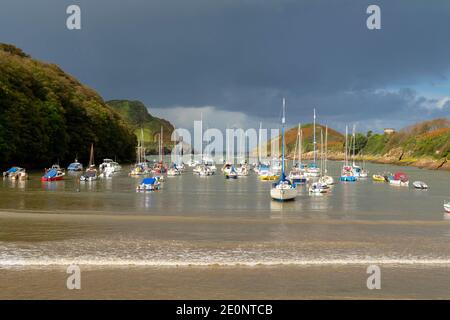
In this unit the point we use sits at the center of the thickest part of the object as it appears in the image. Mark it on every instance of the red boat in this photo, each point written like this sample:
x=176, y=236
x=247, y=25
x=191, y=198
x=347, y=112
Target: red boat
x=55, y=173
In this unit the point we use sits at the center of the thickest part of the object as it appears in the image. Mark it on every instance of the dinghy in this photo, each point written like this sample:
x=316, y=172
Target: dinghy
x=378, y=178
x=420, y=185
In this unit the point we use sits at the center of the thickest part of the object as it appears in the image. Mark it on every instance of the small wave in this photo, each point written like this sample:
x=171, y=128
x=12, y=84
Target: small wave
x=146, y=263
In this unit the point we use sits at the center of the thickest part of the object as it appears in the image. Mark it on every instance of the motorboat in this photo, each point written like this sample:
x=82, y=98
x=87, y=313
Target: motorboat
x=15, y=173
x=420, y=185
x=148, y=184
x=399, y=179
x=55, y=173
x=447, y=207
x=75, y=166
x=109, y=167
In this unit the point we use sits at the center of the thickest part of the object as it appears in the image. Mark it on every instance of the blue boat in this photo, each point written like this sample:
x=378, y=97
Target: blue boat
x=75, y=166
x=148, y=184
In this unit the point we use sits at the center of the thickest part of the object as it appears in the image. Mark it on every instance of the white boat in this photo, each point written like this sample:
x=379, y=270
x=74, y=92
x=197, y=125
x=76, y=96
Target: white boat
x=242, y=170
x=325, y=179
x=75, y=166
x=109, y=166
x=297, y=175
x=447, y=207
x=283, y=189
x=15, y=173
x=205, y=171
x=399, y=179
x=173, y=171
x=364, y=174
x=89, y=175
x=420, y=185
x=148, y=184
x=141, y=166
x=317, y=188
x=313, y=170
x=231, y=174
x=347, y=174
x=91, y=171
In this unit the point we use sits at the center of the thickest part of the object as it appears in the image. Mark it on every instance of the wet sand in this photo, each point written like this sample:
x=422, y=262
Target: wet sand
x=312, y=282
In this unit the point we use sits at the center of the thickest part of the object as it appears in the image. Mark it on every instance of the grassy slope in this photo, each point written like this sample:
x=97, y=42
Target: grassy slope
x=135, y=113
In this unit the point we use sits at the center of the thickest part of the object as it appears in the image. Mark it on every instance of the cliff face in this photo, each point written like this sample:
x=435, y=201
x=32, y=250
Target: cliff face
x=47, y=115
x=137, y=115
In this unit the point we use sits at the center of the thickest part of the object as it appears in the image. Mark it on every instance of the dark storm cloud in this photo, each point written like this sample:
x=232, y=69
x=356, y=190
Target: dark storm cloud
x=244, y=55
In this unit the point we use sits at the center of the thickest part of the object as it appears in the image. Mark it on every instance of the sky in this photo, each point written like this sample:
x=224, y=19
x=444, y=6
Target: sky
x=233, y=61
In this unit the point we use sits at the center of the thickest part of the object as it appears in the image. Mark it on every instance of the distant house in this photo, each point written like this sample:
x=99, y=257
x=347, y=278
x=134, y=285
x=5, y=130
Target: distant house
x=389, y=130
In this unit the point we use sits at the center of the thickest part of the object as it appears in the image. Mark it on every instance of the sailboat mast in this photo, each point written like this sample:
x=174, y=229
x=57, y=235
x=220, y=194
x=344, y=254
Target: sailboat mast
x=314, y=135
x=283, y=120
x=346, y=141
x=259, y=142
x=354, y=145
x=300, y=147
x=296, y=145
x=161, y=145
x=326, y=148
x=91, y=158
x=321, y=150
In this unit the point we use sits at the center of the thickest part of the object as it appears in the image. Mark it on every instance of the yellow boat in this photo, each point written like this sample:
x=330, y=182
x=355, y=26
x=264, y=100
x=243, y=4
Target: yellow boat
x=377, y=177
x=269, y=177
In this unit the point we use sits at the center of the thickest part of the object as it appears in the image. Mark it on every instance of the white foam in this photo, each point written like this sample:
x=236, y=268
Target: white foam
x=194, y=263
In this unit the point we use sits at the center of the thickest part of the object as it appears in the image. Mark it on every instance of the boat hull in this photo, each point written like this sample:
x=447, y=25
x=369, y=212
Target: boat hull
x=283, y=194
x=47, y=179
x=348, y=178
x=447, y=207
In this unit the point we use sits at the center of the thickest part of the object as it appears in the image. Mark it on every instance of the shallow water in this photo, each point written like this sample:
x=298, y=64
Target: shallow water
x=210, y=222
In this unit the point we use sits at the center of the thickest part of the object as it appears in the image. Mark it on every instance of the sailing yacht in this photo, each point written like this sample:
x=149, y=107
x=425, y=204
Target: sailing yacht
x=356, y=169
x=312, y=170
x=141, y=166
x=297, y=176
x=347, y=170
x=91, y=171
x=283, y=189
x=325, y=178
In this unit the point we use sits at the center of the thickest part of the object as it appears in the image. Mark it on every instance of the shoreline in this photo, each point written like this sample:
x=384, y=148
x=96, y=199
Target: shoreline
x=401, y=160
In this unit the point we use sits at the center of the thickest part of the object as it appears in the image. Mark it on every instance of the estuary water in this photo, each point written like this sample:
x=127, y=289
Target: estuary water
x=208, y=237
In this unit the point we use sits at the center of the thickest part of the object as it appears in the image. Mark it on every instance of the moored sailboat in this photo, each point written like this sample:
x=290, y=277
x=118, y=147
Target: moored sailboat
x=91, y=171
x=297, y=174
x=283, y=189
